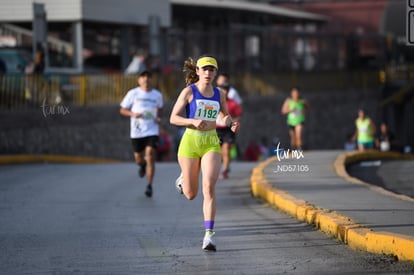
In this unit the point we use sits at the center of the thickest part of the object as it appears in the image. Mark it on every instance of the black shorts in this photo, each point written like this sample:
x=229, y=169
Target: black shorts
x=291, y=127
x=226, y=135
x=139, y=144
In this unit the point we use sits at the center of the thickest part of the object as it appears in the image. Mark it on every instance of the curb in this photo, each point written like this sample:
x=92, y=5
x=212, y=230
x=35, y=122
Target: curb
x=345, y=159
x=333, y=224
x=21, y=159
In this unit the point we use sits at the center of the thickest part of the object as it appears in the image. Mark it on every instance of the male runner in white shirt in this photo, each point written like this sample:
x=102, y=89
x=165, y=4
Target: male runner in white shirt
x=143, y=105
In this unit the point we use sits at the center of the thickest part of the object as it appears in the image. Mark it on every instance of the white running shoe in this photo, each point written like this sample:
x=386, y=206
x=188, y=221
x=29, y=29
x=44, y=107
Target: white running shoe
x=179, y=184
x=208, y=243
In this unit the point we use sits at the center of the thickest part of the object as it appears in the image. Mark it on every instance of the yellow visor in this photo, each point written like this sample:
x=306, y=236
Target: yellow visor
x=207, y=61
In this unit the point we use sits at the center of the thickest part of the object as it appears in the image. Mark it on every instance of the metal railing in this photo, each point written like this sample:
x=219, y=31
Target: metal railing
x=21, y=91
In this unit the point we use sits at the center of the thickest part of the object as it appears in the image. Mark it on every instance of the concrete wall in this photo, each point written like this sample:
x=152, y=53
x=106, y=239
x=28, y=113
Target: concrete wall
x=100, y=131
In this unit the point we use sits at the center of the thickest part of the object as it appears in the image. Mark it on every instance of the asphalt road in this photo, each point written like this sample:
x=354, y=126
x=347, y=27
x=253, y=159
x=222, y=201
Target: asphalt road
x=394, y=175
x=95, y=219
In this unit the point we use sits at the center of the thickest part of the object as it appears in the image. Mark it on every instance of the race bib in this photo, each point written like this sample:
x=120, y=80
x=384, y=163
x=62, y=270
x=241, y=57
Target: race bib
x=148, y=117
x=363, y=129
x=207, y=109
x=296, y=113
x=149, y=114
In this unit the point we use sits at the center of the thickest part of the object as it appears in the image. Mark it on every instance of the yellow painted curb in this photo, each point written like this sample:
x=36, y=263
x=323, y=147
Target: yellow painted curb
x=20, y=159
x=401, y=246
x=333, y=224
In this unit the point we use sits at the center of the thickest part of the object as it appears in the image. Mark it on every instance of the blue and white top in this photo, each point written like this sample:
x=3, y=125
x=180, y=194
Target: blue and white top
x=201, y=107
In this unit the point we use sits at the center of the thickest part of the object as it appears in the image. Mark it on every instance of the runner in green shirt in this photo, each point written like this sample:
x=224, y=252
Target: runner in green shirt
x=294, y=108
x=365, y=131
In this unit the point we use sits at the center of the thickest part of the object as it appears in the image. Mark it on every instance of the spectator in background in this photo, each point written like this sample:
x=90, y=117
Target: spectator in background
x=365, y=131
x=385, y=140
x=34, y=81
x=349, y=143
x=223, y=79
x=252, y=152
x=264, y=148
x=226, y=135
x=274, y=146
x=164, y=146
x=137, y=64
x=39, y=60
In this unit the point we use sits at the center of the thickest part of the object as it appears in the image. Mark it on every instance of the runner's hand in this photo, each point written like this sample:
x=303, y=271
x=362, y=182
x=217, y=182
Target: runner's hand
x=235, y=126
x=199, y=124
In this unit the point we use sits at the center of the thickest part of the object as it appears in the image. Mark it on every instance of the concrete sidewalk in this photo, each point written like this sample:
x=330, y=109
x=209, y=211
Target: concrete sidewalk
x=315, y=188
